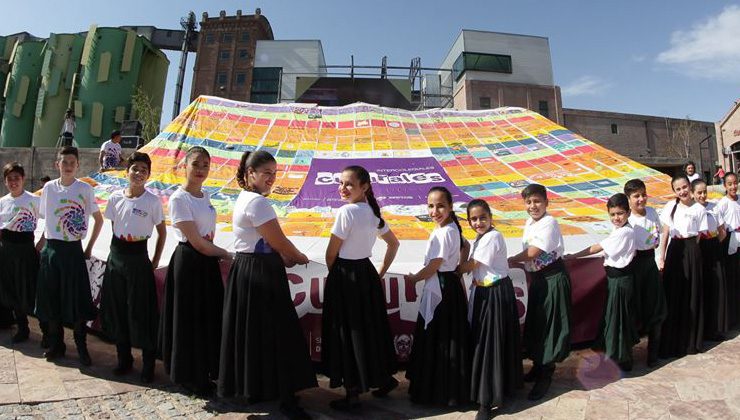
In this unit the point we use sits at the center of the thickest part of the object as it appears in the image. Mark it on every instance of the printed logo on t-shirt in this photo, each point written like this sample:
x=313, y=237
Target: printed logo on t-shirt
x=541, y=261
x=72, y=220
x=139, y=212
x=488, y=281
x=24, y=220
x=652, y=238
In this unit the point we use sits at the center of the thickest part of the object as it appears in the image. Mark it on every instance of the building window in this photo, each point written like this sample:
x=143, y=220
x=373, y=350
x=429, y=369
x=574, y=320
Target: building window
x=243, y=55
x=241, y=79
x=210, y=39
x=485, y=102
x=615, y=129
x=224, y=55
x=245, y=36
x=544, y=109
x=227, y=37
x=265, y=85
x=495, y=63
x=221, y=79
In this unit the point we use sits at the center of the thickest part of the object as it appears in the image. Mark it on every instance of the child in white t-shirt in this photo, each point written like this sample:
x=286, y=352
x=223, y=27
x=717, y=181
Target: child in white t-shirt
x=439, y=367
x=728, y=208
x=494, y=319
x=128, y=306
x=617, y=333
x=63, y=294
x=547, y=323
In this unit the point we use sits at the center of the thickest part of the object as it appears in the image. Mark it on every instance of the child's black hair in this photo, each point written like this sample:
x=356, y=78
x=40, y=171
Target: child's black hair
x=634, y=185
x=618, y=200
x=534, y=189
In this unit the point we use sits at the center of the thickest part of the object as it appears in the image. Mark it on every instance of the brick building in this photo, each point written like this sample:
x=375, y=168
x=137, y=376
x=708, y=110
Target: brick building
x=226, y=50
x=728, y=138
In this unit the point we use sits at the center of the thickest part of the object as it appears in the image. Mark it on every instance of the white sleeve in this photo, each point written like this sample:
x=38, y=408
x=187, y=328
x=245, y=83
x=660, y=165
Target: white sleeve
x=110, y=213
x=442, y=243
x=180, y=211
x=614, y=243
x=92, y=206
x=342, y=224
x=544, y=236
x=665, y=215
x=703, y=225
x=488, y=247
x=385, y=229
x=260, y=211
x=103, y=147
x=42, y=203
x=157, y=212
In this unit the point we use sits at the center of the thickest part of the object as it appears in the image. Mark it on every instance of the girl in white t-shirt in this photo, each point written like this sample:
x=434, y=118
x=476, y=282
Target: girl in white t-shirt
x=547, y=323
x=728, y=208
x=19, y=261
x=264, y=355
x=496, y=343
x=190, y=326
x=617, y=333
x=439, y=365
x=716, y=315
x=357, y=348
x=128, y=304
x=684, y=221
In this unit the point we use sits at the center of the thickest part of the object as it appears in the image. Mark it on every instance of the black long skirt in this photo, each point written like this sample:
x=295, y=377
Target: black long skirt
x=547, y=324
x=356, y=343
x=63, y=289
x=439, y=364
x=683, y=329
x=716, y=314
x=128, y=305
x=731, y=265
x=497, y=344
x=649, y=297
x=19, y=268
x=190, y=325
x=264, y=354
x=617, y=331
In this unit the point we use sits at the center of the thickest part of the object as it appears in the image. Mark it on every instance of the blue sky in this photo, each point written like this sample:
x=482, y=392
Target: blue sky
x=673, y=58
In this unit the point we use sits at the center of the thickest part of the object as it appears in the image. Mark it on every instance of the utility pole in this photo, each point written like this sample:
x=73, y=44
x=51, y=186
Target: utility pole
x=188, y=24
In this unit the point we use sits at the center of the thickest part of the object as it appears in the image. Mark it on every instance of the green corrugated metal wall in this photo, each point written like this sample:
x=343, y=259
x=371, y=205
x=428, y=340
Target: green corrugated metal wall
x=21, y=92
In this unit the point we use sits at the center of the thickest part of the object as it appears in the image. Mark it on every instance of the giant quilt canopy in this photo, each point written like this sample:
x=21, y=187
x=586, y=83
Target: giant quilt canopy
x=489, y=154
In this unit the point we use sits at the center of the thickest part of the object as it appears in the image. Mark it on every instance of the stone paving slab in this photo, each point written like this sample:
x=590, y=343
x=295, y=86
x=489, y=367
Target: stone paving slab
x=703, y=386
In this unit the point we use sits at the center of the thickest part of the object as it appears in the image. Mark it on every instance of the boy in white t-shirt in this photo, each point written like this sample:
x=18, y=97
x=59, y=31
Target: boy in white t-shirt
x=617, y=333
x=110, y=152
x=63, y=294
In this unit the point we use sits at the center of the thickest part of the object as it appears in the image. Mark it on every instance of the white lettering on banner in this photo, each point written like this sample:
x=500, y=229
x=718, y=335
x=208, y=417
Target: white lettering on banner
x=329, y=178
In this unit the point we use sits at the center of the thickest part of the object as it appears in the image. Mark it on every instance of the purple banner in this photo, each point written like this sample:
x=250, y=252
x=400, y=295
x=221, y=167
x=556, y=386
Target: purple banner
x=396, y=181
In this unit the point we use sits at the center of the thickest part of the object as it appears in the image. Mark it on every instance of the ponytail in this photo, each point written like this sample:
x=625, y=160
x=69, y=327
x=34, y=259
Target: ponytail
x=373, y=203
x=675, y=207
x=241, y=171
x=453, y=216
x=252, y=160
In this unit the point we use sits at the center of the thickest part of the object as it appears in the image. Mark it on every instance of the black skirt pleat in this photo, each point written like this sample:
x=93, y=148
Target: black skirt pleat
x=649, y=297
x=439, y=364
x=497, y=346
x=19, y=268
x=617, y=331
x=264, y=354
x=190, y=324
x=683, y=329
x=63, y=289
x=357, y=348
x=716, y=305
x=128, y=303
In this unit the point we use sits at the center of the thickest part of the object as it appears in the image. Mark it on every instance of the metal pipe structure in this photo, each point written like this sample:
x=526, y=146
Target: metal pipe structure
x=189, y=26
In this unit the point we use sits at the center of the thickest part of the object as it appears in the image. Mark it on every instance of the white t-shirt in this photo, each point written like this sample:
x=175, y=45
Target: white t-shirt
x=444, y=243
x=714, y=220
x=357, y=227
x=687, y=221
x=729, y=210
x=185, y=207
x=69, y=125
x=693, y=177
x=647, y=229
x=545, y=235
x=112, y=157
x=134, y=218
x=251, y=211
x=19, y=214
x=67, y=209
x=490, y=252
x=619, y=247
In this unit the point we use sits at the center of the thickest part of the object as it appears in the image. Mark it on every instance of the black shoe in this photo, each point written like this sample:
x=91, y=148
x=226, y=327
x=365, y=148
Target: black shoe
x=44, y=342
x=201, y=390
x=124, y=366
x=533, y=373
x=55, y=352
x=345, y=404
x=84, y=355
x=484, y=413
x=653, y=362
x=384, y=390
x=21, y=335
x=540, y=388
x=625, y=366
x=294, y=412
x=147, y=376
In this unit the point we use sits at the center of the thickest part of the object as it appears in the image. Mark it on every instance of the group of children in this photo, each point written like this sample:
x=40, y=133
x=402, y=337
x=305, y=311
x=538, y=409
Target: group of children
x=245, y=340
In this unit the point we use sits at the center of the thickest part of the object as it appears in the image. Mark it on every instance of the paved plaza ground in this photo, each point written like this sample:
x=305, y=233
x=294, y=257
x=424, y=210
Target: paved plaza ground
x=703, y=386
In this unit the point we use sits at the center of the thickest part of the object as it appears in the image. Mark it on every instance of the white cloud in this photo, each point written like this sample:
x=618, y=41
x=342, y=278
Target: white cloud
x=638, y=58
x=586, y=85
x=709, y=49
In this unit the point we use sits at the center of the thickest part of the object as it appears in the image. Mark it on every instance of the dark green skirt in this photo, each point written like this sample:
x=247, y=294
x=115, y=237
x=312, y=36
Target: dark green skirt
x=19, y=268
x=617, y=333
x=649, y=297
x=63, y=292
x=547, y=324
x=128, y=303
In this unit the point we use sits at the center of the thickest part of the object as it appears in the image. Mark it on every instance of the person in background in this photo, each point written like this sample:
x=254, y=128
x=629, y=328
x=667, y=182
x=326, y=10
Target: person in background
x=68, y=128
x=719, y=176
x=110, y=152
x=690, y=169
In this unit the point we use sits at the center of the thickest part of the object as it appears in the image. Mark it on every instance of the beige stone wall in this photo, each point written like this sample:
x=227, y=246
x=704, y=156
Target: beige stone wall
x=728, y=135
